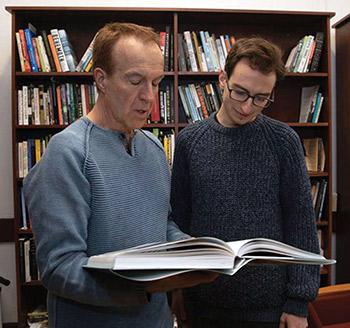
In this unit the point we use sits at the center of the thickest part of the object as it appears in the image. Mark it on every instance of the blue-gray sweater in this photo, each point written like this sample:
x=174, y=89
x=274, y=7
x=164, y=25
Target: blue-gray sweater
x=245, y=182
x=88, y=196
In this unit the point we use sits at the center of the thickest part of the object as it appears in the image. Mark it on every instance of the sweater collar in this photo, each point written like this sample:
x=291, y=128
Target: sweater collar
x=240, y=130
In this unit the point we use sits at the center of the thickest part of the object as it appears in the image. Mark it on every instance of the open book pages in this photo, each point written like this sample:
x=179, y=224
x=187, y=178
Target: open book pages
x=160, y=260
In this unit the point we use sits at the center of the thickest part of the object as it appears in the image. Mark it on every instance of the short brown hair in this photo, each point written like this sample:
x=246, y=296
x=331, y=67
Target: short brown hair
x=108, y=35
x=262, y=55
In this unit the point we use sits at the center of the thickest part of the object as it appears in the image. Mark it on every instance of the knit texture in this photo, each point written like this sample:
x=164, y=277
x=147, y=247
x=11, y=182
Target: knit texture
x=246, y=182
x=88, y=196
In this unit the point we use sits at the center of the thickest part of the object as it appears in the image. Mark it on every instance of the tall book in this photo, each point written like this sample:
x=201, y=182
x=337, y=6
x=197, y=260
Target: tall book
x=71, y=58
x=318, y=52
x=59, y=49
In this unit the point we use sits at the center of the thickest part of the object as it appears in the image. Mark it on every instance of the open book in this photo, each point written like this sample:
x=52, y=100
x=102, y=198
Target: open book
x=160, y=260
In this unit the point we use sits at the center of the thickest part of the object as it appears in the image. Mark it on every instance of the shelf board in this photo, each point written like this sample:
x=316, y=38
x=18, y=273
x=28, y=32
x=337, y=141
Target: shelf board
x=66, y=74
x=24, y=231
x=32, y=283
x=61, y=127
x=314, y=74
x=317, y=174
x=311, y=125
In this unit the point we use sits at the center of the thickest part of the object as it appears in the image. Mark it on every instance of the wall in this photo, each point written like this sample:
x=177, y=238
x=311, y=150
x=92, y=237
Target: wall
x=7, y=264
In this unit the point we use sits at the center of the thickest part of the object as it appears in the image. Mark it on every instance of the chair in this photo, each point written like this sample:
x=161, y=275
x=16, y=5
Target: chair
x=331, y=308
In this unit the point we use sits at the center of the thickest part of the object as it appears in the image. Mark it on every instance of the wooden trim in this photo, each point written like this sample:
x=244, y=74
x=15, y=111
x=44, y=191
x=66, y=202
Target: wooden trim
x=11, y=9
x=6, y=230
x=341, y=22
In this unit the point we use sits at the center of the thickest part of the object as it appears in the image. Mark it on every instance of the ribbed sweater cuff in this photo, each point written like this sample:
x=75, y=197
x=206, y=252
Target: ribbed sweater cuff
x=297, y=307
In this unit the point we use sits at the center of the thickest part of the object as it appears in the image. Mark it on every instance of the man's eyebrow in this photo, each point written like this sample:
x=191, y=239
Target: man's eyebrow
x=247, y=91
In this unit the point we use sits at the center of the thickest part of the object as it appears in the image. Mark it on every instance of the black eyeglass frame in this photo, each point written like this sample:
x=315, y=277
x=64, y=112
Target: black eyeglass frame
x=270, y=100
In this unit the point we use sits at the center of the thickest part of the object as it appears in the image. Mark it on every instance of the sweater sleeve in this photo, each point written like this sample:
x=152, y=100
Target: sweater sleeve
x=299, y=226
x=180, y=184
x=58, y=197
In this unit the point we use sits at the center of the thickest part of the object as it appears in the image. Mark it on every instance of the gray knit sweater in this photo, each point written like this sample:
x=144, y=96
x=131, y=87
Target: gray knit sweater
x=245, y=182
x=87, y=196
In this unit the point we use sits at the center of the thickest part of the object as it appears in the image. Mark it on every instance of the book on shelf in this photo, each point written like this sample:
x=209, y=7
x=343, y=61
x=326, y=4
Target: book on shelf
x=305, y=55
x=309, y=96
x=59, y=50
x=315, y=157
x=319, y=40
x=68, y=50
x=160, y=260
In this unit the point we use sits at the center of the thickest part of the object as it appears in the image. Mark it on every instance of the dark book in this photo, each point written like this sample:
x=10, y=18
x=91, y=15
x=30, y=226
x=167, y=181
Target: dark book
x=318, y=52
x=48, y=50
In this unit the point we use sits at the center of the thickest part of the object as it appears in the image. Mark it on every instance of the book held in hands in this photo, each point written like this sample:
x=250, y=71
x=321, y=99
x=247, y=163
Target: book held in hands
x=160, y=260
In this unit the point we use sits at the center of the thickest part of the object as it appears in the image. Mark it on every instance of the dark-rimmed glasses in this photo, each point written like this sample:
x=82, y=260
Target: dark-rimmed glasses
x=258, y=100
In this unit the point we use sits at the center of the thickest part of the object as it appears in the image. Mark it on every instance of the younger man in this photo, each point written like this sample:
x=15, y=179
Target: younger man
x=241, y=174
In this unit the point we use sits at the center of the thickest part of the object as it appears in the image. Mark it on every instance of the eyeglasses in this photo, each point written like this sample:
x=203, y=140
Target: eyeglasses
x=258, y=100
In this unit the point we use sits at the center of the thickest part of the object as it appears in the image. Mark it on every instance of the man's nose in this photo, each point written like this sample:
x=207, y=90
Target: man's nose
x=248, y=106
x=147, y=93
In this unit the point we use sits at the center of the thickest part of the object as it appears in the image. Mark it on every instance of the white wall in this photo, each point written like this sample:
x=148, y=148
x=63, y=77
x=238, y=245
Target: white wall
x=7, y=264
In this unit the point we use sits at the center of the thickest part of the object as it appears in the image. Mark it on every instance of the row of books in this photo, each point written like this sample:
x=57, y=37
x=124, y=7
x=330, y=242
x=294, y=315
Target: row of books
x=28, y=269
x=315, y=156
x=310, y=104
x=318, y=193
x=167, y=138
x=54, y=103
x=163, y=106
x=29, y=153
x=45, y=52
x=53, y=52
x=306, y=55
x=199, y=100
x=202, y=52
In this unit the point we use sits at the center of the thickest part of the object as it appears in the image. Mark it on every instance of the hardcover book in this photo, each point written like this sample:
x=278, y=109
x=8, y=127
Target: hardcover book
x=160, y=260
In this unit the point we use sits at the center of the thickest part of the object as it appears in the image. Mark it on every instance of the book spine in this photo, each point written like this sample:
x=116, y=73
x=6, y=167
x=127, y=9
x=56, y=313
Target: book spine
x=43, y=52
x=54, y=53
x=192, y=57
x=59, y=48
x=87, y=53
x=48, y=51
x=20, y=52
x=318, y=51
x=25, y=51
x=32, y=59
x=68, y=50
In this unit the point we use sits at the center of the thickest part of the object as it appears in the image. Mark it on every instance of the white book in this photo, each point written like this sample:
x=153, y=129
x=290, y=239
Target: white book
x=46, y=63
x=20, y=159
x=59, y=49
x=25, y=157
x=213, y=52
x=25, y=105
x=191, y=52
x=223, y=45
x=36, y=106
x=20, y=107
x=159, y=260
x=20, y=52
x=221, y=54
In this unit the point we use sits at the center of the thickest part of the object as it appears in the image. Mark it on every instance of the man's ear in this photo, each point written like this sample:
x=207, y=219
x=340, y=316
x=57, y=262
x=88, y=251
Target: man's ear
x=100, y=79
x=222, y=79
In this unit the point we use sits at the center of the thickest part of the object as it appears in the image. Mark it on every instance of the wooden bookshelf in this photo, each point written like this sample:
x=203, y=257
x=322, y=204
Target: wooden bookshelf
x=342, y=224
x=81, y=23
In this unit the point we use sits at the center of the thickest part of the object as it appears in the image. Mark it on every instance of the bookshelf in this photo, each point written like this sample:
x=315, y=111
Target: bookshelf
x=81, y=23
x=342, y=226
